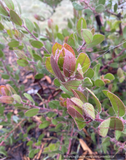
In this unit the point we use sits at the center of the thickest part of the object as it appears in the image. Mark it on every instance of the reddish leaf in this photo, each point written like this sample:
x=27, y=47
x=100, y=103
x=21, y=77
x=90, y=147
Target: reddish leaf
x=4, y=91
x=56, y=69
x=79, y=95
x=6, y=99
x=69, y=64
x=66, y=46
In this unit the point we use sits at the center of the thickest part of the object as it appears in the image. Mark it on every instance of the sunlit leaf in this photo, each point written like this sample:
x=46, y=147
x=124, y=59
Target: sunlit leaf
x=104, y=127
x=15, y=18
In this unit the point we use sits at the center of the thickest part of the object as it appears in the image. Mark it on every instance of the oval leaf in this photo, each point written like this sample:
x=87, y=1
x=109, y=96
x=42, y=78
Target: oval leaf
x=84, y=61
x=7, y=99
x=73, y=84
x=15, y=18
x=81, y=24
x=87, y=35
x=22, y=62
x=36, y=44
x=32, y=112
x=89, y=110
x=116, y=124
x=48, y=65
x=98, y=104
x=104, y=127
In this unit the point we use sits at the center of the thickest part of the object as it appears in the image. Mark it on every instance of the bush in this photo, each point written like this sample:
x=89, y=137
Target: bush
x=86, y=61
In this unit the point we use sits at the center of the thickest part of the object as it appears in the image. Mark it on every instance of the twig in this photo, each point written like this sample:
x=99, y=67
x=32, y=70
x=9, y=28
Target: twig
x=111, y=60
x=79, y=49
x=61, y=141
x=2, y=143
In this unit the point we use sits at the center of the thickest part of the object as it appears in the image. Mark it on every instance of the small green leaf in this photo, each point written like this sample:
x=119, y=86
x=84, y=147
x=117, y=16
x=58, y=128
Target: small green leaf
x=56, y=82
x=89, y=73
x=115, y=7
x=120, y=75
x=87, y=35
x=73, y=84
x=99, y=83
x=77, y=6
x=36, y=44
x=98, y=104
x=100, y=8
x=17, y=98
x=29, y=24
x=13, y=43
x=5, y=76
x=77, y=102
x=22, y=62
x=102, y=2
x=29, y=97
x=9, y=4
x=84, y=61
x=124, y=32
x=117, y=134
x=97, y=39
x=44, y=125
x=39, y=76
x=80, y=123
x=81, y=24
x=1, y=53
x=124, y=45
x=87, y=82
x=15, y=18
x=32, y=112
x=79, y=95
x=3, y=10
x=109, y=76
x=89, y=110
x=1, y=26
x=104, y=127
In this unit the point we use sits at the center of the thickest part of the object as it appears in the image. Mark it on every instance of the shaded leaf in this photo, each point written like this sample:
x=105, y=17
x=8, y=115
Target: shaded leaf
x=36, y=44
x=98, y=104
x=13, y=43
x=87, y=35
x=1, y=26
x=77, y=6
x=15, y=18
x=116, y=124
x=73, y=84
x=100, y=8
x=44, y=125
x=80, y=123
x=32, y=112
x=22, y=62
x=79, y=95
x=87, y=82
x=99, y=83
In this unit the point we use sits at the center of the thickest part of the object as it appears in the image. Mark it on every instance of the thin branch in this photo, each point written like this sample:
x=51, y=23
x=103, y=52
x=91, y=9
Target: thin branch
x=80, y=48
x=111, y=60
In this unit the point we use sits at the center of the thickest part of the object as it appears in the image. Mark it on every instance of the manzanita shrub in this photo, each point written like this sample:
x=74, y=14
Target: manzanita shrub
x=87, y=98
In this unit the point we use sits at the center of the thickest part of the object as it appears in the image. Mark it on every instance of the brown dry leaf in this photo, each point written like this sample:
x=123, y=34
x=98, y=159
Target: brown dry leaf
x=25, y=81
x=30, y=76
x=48, y=79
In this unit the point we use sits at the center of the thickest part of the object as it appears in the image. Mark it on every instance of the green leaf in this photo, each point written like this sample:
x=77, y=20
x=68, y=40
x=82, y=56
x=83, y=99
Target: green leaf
x=77, y=102
x=5, y=76
x=36, y=44
x=29, y=97
x=60, y=36
x=124, y=32
x=73, y=84
x=79, y=95
x=77, y=6
x=117, y=134
x=48, y=65
x=115, y=7
x=98, y=104
x=116, y=102
x=104, y=127
x=3, y=10
x=9, y=4
x=1, y=26
x=89, y=110
x=17, y=98
x=97, y=39
x=29, y=24
x=37, y=57
x=84, y=61
x=87, y=35
x=81, y=24
x=1, y=53
x=15, y=18
x=89, y=73
x=109, y=76
x=39, y=76
x=99, y=83
x=55, y=47
x=100, y=8
x=102, y=2
x=87, y=82
x=80, y=123
x=22, y=62
x=44, y=125
x=32, y=112
x=116, y=124
x=13, y=43
x=56, y=82
x=120, y=75
x=124, y=45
